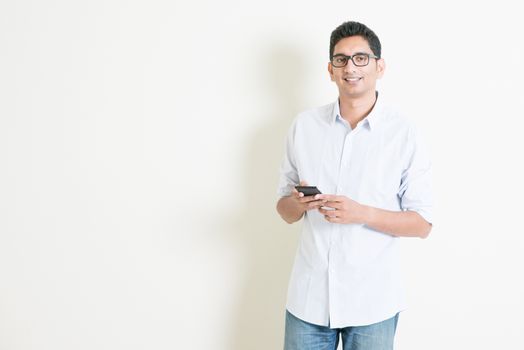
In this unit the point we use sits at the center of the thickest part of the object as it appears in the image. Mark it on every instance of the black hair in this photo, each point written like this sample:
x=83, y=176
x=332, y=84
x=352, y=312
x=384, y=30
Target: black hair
x=351, y=28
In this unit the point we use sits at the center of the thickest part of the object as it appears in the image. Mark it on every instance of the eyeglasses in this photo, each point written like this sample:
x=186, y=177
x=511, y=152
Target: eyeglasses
x=359, y=59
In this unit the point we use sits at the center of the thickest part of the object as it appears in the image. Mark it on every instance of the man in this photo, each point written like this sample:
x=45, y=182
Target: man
x=374, y=175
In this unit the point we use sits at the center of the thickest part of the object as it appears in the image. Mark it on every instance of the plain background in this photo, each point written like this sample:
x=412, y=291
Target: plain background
x=139, y=152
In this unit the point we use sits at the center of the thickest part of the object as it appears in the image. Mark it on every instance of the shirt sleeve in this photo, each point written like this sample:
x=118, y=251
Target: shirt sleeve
x=288, y=168
x=415, y=190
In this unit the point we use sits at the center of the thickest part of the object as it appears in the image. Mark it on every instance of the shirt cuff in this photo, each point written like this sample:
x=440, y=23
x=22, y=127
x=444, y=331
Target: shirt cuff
x=426, y=214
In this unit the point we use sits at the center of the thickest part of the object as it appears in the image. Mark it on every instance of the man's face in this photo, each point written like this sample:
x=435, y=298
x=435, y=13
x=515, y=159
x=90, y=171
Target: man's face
x=353, y=81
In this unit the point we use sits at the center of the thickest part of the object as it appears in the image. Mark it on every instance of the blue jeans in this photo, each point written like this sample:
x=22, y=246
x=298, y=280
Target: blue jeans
x=301, y=335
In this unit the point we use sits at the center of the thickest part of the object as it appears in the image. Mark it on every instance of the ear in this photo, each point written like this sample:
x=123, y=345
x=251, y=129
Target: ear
x=330, y=70
x=381, y=67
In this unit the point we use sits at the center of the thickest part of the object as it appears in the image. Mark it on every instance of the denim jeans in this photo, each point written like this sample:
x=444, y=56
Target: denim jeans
x=301, y=335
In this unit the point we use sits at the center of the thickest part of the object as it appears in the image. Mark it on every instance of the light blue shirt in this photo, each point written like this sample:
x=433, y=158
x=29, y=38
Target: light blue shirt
x=349, y=274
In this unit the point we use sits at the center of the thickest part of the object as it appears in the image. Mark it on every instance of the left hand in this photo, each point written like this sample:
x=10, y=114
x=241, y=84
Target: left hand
x=346, y=210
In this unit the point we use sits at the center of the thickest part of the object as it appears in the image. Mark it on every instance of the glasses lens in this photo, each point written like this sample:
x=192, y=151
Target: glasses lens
x=339, y=61
x=360, y=60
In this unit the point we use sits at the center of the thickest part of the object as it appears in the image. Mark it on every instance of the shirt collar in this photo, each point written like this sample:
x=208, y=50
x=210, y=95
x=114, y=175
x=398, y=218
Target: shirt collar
x=372, y=118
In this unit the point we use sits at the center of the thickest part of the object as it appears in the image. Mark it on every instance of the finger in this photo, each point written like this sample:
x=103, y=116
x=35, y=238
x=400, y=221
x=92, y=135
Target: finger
x=297, y=194
x=315, y=204
x=335, y=205
x=335, y=220
x=312, y=203
x=302, y=183
x=329, y=197
x=307, y=199
x=329, y=213
x=332, y=214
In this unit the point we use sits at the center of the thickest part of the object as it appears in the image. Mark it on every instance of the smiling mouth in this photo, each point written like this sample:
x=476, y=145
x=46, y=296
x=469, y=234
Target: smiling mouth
x=352, y=79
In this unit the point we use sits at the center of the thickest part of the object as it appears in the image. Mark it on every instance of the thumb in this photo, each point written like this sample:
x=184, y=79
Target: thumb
x=303, y=183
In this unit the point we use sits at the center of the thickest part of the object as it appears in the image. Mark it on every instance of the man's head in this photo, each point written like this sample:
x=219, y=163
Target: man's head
x=355, y=76
x=348, y=29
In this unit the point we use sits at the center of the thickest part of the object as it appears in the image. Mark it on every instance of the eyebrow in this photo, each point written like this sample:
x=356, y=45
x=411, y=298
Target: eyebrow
x=356, y=53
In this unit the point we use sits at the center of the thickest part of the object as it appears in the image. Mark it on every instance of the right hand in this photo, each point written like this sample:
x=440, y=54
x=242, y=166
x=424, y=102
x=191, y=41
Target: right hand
x=306, y=202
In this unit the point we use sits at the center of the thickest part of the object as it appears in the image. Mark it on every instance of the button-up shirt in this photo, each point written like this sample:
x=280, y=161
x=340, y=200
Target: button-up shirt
x=349, y=274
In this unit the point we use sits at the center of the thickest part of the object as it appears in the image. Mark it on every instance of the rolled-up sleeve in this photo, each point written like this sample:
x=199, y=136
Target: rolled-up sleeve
x=288, y=169
x=415, y=190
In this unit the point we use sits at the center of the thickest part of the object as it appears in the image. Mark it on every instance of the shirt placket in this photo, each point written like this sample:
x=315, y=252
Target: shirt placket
x=334, y=245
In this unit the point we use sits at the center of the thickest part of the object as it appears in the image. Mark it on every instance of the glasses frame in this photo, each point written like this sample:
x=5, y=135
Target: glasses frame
x=351, y=58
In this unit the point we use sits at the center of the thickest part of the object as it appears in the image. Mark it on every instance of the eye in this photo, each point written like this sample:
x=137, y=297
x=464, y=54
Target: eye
x=360, y=58
x=340, y=60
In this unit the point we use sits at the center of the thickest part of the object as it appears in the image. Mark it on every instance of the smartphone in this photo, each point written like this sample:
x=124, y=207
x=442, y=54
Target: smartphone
x=308, y=190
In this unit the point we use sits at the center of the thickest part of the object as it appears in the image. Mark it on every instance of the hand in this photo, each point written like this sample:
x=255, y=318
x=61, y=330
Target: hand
x=306, y=202
x=345, y=210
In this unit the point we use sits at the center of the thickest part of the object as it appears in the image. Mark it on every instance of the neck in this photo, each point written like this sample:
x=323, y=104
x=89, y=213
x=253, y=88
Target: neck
x=355, y=109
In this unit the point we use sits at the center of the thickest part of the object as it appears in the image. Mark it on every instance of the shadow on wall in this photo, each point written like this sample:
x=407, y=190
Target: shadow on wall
x=269, y=243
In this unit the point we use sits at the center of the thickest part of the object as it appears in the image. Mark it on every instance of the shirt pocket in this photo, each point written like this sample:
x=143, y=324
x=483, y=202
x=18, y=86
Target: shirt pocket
x=382, y=177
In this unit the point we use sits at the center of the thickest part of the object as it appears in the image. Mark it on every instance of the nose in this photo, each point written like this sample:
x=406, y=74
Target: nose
x=350, y=66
